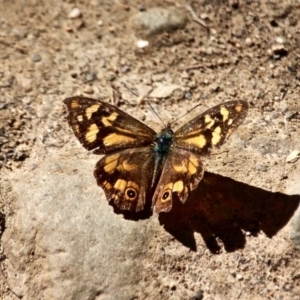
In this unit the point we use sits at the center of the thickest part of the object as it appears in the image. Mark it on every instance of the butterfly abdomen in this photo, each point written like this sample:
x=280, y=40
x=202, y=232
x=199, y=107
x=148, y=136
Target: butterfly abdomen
x=162, y=145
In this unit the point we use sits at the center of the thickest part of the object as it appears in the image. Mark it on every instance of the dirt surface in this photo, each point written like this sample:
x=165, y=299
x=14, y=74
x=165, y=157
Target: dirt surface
x=249, y=51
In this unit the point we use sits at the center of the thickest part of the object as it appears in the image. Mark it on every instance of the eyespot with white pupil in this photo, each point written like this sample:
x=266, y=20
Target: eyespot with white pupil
x=130, y=194
x=166, y=196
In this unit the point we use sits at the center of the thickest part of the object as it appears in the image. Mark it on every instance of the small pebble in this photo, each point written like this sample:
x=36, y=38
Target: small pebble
x=187, y=96
x=26, y=84
x=215, y=88
x=185, y=75
x=88, y=90
x=75, y=13
x=248, y=42
x=142, y=43
x=293, y=156
x=198, y=295
x=90, y=76
x=209, y=50
x=17, y=125
x=142, y=7
x=112, y=77
x=239, y=277
x=276, y=98
x=276, y=74
x=279, y=40
x=35, y=57
x=237, y=45
x=125, y=69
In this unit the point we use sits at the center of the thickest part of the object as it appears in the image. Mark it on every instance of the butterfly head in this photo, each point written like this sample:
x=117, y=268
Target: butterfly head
x=164, y=140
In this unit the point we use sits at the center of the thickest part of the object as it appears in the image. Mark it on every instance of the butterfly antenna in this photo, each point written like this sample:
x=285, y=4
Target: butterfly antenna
x=155, y=112
x=186, y=113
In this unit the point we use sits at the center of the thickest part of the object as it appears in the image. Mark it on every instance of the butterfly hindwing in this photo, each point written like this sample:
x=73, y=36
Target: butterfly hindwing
x=126, y=177
x=211, y=128
x=181, y=174
x=102, y=126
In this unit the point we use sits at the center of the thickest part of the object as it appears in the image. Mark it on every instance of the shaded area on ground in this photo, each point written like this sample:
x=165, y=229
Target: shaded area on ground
x=222, y=209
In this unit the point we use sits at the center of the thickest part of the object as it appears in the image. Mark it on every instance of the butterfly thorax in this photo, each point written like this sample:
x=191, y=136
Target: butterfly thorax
x=164, y=141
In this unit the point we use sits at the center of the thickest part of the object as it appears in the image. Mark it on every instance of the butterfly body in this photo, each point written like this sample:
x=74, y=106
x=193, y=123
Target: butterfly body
x=141, y=165
x=164, y=141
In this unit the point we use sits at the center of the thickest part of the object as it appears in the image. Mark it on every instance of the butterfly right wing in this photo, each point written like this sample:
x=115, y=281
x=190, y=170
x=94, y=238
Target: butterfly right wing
x=181, y=173
x=102, y=126
x=126, y=177
x=183, y=169
x=211, y=128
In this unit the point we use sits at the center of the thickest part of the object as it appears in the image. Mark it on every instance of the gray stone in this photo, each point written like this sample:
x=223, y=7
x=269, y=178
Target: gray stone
x=65, y=231
x=157, y=19
x=35, y=57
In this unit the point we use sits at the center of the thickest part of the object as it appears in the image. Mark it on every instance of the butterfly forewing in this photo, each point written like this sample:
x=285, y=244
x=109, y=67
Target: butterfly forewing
x=212, y=128
x=101, y=126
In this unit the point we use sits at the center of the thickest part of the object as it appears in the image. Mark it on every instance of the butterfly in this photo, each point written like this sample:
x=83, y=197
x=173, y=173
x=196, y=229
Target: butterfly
x=140, y=165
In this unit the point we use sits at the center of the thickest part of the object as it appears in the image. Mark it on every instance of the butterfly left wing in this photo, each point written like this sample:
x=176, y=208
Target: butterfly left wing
x=181, y=174
x=211, y=128
x=102, y=126
x=126, y=177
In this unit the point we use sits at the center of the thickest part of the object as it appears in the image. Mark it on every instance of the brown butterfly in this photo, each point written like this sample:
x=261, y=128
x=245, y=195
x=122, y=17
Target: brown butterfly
x=139, y=164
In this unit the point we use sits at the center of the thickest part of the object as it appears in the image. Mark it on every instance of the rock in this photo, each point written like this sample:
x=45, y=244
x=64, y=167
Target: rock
x=163, y=90
x=88, y=90
x=69, y=233
x=293, y=156
x=74, y=13
x=35, y=57
x=142, y=43
x=156, y=20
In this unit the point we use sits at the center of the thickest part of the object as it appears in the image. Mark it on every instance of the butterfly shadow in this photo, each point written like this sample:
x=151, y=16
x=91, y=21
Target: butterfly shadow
x=222, y=210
